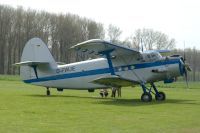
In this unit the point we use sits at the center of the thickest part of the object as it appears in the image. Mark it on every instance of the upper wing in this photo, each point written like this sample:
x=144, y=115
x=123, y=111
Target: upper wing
x=98, y=47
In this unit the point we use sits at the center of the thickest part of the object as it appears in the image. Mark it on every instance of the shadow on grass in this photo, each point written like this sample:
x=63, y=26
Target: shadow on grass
x=138, y=102
x=121, y=101
x=62, y=96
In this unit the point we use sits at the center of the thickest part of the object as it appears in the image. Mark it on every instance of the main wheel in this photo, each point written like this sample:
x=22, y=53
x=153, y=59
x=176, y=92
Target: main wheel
x=146, y=97
x=160, y=97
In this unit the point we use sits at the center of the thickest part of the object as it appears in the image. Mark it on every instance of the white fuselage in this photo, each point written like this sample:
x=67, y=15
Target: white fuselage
x=80, y=75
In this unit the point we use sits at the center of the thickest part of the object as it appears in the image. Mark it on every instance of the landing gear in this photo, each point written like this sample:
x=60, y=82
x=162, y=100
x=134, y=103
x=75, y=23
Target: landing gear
x=160, y=97
x=147, y=97
x=48, y=92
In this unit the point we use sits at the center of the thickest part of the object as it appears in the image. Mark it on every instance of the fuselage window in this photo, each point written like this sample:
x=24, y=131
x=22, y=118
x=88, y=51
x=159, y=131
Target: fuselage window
x=132, y=67
x=126, y=68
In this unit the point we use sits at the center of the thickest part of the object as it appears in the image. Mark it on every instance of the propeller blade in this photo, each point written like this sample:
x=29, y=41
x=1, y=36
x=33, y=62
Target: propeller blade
x=186, y=79
x=187, y=66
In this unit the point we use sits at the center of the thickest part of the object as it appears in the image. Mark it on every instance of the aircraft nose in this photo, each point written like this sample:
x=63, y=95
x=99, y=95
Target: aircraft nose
x=184, y=68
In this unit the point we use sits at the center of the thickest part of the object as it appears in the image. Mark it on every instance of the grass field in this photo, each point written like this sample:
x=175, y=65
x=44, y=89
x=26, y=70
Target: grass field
x=26, y=109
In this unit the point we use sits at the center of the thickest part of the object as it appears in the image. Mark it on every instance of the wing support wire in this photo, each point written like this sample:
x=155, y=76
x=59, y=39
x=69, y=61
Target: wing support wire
x=134, y=73
x=108, y=56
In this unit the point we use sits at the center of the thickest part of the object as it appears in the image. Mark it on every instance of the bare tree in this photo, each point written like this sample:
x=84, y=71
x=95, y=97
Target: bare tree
x=114, y=33
x=151, y=39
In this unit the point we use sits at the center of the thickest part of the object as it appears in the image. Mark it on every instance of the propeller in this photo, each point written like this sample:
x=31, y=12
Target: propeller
x=186, y=67
x=186, y=79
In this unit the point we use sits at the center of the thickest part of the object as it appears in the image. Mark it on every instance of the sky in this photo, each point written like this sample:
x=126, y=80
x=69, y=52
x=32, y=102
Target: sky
x=179, y=19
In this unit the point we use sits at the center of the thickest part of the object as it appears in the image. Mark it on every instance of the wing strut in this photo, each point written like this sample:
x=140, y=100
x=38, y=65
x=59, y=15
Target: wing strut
x=35, y=70
x=107, y=54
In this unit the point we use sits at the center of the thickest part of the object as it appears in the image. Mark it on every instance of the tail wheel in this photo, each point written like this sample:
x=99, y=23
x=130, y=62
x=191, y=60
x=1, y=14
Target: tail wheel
x=160, y=96
x=146, y=97
x=48, y=92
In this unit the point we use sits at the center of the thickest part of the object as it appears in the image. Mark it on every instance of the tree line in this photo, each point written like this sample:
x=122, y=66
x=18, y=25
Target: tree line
x=61, y=31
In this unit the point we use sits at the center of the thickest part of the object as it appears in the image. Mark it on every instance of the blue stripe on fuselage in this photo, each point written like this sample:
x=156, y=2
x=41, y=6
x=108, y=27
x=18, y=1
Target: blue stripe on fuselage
x=158, y=63
x=70, y=75
x=101, y=71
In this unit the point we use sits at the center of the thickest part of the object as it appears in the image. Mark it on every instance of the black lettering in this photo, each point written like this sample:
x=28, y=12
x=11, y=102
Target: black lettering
x=66, y=69
x=73, y=68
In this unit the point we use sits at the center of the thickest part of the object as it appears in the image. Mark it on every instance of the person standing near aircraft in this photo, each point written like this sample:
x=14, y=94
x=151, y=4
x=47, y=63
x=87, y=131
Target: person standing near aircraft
x=113, y=92
x=119, y=91
x=103, y=93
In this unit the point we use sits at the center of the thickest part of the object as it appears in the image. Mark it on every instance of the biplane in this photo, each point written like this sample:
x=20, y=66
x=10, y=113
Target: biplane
x=115, y=66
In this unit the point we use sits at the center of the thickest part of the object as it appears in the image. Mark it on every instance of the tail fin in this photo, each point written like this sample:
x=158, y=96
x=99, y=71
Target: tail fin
x=36, y=60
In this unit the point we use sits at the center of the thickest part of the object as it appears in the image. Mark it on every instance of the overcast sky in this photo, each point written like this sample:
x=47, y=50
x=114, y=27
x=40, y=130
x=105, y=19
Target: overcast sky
x=179, y=19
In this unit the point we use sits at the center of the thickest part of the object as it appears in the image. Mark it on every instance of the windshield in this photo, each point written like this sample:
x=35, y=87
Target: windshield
x=153, y=56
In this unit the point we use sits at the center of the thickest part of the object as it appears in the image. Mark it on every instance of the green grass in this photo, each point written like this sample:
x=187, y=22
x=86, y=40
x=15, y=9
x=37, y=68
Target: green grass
x=10, y=77
x=25, y=109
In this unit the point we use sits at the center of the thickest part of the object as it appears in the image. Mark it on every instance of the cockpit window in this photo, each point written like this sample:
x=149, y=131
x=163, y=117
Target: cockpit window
x=153, y=56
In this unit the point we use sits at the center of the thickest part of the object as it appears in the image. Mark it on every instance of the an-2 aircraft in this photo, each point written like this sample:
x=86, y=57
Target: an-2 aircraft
x=117, y=66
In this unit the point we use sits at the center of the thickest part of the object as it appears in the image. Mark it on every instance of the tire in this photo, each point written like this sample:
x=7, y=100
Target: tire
x=48, y=93
x=146, y=97
x=160, y=97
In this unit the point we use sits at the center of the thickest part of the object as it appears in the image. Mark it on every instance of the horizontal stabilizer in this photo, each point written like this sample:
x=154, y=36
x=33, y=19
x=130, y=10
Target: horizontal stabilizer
x=31, y=63
x=114, y=81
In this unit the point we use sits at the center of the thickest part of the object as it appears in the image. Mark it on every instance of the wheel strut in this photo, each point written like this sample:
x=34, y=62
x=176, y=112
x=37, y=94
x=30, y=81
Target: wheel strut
x=159, y=96
x=146, y=96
